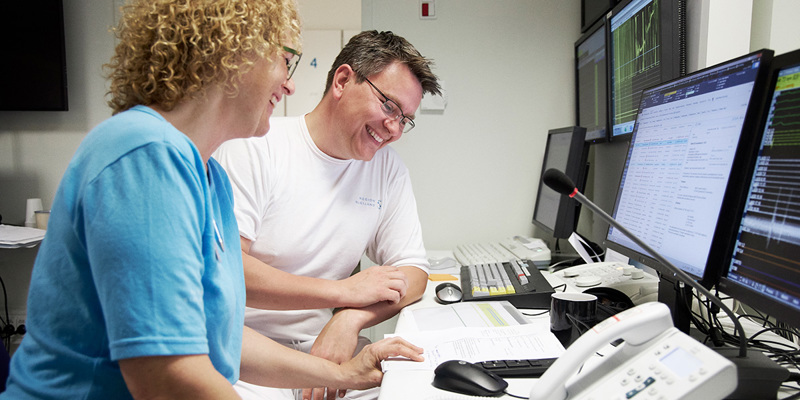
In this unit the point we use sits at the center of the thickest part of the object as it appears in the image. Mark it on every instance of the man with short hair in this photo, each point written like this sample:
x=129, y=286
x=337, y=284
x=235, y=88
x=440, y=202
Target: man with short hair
x=323, y=189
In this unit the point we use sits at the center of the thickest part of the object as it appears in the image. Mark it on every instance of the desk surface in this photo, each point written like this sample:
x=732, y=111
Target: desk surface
x=403, y=385
x=407, y=385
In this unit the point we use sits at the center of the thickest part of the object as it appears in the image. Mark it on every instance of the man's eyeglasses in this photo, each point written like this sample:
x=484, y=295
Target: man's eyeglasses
x=291, y=63
x=392, y=110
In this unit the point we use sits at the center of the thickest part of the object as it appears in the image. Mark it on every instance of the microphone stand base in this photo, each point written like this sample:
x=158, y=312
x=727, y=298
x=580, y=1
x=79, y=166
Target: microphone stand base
x=758, y=376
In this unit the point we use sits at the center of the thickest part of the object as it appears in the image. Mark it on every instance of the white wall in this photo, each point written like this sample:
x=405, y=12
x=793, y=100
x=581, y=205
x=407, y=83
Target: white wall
x=508, y=71
x=327, y=14
x=775, y=25
x=721, y=31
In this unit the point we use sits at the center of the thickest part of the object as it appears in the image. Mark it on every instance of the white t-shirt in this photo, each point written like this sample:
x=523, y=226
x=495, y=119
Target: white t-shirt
x=314, y=215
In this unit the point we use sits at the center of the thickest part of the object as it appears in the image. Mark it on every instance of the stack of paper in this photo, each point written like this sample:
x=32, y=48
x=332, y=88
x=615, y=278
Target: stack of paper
x=477, y=332
x=12, y=237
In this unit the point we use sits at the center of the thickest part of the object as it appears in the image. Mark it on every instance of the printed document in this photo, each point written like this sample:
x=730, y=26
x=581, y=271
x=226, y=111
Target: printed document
x=515, y=342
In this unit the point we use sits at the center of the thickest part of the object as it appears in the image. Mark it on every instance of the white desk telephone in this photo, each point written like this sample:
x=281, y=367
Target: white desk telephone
x=655, y=360
x=633, y=282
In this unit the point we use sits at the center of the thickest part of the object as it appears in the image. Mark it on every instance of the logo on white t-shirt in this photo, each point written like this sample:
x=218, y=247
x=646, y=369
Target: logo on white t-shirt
x=369, y=202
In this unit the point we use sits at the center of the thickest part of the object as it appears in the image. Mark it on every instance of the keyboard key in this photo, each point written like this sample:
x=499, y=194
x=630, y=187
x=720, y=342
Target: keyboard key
x=519, y=368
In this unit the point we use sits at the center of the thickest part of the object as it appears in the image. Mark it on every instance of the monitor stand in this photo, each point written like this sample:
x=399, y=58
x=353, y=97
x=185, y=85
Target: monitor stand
x=678, y=298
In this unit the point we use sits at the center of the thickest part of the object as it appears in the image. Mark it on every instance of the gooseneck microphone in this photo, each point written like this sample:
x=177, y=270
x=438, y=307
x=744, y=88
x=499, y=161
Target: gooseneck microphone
x=561, y=183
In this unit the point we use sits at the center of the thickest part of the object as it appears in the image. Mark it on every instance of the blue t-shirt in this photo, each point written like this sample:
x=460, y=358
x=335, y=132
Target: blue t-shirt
x=141, y=258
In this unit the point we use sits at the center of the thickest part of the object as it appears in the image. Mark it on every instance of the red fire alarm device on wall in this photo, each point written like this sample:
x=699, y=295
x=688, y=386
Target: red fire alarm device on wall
x=427, y=9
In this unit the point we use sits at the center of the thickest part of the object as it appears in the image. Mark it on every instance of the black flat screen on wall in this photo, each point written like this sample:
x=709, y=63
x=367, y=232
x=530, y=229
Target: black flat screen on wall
x=592, y=10
x=33, y=74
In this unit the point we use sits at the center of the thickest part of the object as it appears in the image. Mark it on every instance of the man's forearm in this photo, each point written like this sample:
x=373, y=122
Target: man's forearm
x=272, y=289
x=368, y=316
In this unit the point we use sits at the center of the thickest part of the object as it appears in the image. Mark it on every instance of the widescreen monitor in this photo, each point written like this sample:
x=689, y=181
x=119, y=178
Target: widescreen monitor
x=566, y=150
x=646, y=46
x=591, y=82
x=689, y=135
x=762, y=268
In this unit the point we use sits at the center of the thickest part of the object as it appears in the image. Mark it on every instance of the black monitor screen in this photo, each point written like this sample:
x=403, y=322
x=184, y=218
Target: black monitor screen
x=764, y=268
x=646, y=47
x=566, y=150
x=591, y=80
x=592, y=10
x=33, y=74
x=680, y=161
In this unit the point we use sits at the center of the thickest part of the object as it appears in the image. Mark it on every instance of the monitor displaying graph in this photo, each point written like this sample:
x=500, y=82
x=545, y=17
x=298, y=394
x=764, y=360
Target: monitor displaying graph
x=590, y=83
x=764, y=270
x=646, y=47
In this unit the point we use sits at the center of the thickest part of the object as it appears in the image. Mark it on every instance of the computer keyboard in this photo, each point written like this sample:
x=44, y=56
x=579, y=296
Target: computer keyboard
x=516, y=248
x=517, y=281
x=518, y=368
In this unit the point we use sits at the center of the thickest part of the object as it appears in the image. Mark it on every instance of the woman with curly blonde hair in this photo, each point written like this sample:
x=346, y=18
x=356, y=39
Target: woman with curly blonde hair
x=138, y=288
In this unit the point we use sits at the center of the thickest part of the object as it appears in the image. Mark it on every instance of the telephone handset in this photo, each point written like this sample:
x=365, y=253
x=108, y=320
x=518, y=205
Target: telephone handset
x=654, y=358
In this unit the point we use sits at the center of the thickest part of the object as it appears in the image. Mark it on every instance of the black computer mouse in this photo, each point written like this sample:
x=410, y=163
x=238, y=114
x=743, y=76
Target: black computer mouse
x=468, y=378
x=447, y=293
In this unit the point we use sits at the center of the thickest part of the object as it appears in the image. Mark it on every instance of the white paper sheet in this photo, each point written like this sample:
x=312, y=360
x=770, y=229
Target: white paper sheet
x=17, y=236
x=519, y=342
x=467, y=314
x=575, y=241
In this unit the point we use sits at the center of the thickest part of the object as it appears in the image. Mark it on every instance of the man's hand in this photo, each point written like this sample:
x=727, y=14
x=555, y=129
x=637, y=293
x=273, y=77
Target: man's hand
x=374, y=285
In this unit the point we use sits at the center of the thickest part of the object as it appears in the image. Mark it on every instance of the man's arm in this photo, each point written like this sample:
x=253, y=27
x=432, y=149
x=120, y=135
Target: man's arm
x=338, y=338
x=364, y=317
x=272, y=289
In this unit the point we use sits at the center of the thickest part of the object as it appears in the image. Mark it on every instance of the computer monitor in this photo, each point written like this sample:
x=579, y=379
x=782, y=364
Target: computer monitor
x=593, y=10
x=646, y=46
x=36, y=79
x=688, y=134
x=567, y=150
x=762, y=268
x=591, y=80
